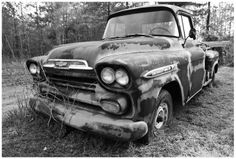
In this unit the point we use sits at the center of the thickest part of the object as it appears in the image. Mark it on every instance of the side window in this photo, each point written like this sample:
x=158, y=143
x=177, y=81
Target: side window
x=181, y=24
x=185, y=25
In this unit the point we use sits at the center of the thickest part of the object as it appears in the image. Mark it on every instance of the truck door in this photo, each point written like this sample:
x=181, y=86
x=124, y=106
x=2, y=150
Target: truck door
x=196, y=66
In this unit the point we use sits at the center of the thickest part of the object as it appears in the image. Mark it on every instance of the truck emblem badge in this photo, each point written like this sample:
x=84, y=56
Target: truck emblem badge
x=75, y=64
x=61, y=64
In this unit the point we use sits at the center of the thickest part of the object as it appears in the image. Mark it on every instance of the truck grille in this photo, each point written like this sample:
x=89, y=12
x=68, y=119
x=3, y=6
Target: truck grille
x=74, y=82
x=81, y=79
x=78, y=88
x=70, y=88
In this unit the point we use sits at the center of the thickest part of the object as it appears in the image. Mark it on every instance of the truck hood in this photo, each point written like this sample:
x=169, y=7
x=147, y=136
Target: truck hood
x=96, y=50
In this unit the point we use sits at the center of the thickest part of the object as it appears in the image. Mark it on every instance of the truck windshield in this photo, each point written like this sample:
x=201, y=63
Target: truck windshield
x=161, y=23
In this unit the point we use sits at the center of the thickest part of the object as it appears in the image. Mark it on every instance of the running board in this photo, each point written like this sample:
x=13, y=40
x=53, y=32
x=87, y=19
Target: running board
x=193, y=95
x=206, y=83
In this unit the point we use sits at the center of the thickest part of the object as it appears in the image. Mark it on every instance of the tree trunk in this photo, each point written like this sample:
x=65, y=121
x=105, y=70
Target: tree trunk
x=41, y=43
x=21, y=47
x=15, y=34
x=127, y=5
x=28, y=44
x=108, y=8
x=208, y=17
x=22, y=32
x=9, y=45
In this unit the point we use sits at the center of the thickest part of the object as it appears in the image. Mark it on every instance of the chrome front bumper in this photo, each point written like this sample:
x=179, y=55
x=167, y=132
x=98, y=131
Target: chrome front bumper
x=87, y=120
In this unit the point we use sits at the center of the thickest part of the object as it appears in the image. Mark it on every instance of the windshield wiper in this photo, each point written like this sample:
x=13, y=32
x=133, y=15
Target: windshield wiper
x=131, y=35
x=149, y=35
x=134, y=35
x=114, y=37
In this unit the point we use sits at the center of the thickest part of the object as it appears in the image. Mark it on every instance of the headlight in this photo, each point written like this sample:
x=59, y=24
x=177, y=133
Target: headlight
x=121, y=77
x=33, y=68
x=108, y=75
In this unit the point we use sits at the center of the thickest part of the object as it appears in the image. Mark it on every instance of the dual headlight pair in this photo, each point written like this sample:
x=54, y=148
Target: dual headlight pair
x=109, y=76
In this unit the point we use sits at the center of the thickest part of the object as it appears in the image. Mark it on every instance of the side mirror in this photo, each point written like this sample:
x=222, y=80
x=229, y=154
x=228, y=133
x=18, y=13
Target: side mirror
x=192, y=33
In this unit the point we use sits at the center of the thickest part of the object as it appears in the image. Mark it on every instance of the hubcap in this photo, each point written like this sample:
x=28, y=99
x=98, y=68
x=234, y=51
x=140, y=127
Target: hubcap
x=162, y=115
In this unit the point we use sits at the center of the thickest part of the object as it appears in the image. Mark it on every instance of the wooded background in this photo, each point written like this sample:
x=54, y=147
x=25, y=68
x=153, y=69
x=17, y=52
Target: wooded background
x=31, y=29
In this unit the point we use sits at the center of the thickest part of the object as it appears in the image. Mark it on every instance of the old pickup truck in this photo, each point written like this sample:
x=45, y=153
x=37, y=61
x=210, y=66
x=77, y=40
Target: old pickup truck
x=125, y=86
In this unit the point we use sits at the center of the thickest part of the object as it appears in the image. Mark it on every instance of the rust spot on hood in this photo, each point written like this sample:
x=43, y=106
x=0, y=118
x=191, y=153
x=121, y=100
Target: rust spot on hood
x=157, y=42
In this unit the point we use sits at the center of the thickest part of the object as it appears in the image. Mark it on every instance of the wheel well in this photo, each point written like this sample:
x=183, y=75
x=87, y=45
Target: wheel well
x=216, y=68
x=174, y=89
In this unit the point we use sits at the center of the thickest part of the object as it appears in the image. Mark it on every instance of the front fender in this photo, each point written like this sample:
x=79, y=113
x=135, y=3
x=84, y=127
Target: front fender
x=38, y=60
x=150, y=89
x=151, y=86
x=150, y=72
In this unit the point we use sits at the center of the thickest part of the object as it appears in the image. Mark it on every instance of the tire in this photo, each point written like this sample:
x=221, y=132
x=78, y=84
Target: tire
x=211, y=84
x=162, y=116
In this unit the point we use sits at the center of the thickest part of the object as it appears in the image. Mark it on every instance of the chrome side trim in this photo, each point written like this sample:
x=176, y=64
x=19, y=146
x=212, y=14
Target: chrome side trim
x=160, y=71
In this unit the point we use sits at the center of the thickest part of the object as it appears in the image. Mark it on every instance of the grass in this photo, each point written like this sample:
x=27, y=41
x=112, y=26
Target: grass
x=16, y=85
x=203, y=128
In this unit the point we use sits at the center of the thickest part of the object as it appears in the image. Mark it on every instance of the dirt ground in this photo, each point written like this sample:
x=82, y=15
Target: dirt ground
x=15, y=85
x=205, y=127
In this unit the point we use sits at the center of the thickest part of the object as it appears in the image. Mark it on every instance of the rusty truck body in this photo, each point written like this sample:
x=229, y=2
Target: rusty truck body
x=126, y=85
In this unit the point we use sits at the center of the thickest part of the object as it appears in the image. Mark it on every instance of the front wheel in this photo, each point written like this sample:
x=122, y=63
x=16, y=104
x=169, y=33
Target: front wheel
x=162, y=115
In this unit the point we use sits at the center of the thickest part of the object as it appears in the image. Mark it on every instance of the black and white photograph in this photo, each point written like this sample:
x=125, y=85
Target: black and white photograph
x=117, y=78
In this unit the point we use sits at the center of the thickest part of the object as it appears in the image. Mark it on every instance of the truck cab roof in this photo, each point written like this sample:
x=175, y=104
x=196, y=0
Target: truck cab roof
x=173, y=8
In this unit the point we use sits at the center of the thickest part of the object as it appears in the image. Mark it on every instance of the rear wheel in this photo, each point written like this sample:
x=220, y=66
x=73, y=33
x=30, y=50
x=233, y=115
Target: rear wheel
x=161, y=117
x=211, y=84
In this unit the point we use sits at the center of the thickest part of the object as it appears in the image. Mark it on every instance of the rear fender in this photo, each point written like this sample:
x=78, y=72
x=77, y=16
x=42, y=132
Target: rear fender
x=214, y=66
